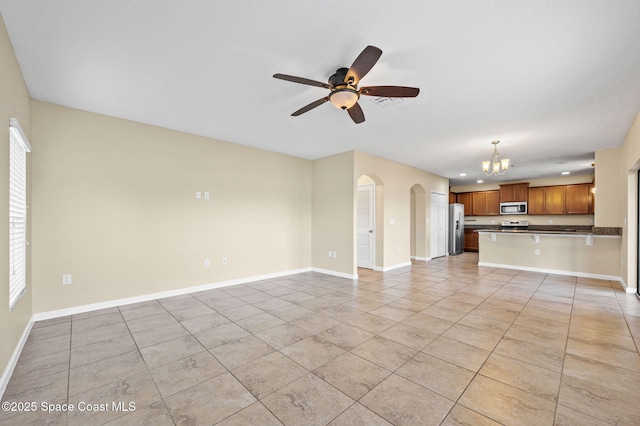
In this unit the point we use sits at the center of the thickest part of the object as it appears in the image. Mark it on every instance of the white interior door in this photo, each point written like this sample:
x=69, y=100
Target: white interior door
x=439, y=205
x=366, y=225
x=443, y=206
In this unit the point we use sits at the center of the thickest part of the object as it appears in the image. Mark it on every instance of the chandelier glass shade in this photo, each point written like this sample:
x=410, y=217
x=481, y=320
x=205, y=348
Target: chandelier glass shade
x=495, y=166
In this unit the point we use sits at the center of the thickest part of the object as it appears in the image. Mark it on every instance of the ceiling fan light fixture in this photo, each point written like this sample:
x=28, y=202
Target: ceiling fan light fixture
x=344, y=98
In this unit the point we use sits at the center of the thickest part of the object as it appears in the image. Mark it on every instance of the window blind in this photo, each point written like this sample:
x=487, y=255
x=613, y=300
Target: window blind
x=18, y=148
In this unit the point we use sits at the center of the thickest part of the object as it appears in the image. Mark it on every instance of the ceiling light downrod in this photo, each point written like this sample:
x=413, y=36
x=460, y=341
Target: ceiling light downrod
x=495, y=166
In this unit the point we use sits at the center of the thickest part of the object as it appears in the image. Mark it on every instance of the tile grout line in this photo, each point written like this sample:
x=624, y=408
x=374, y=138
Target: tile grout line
x=477, y=373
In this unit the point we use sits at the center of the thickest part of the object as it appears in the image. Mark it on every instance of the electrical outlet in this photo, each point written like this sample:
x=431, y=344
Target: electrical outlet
x=207, y=263
x=66, y=279
x=537, y=252
x=206, y=195
x=333, y=254
x=225, y=260
x=550, y=221
x=198, y=195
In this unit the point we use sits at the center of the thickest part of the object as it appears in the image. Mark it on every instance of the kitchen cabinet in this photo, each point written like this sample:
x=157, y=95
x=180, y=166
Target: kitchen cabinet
x=485, y=203
x=541, y=200
x=536, y=200
x=470, y=240
x=592, y=198
x=554, y=197
x=465, y=198
x=493, y=203
x=577, y=199
x=479, y=203
x=546, y=200
x=514, y=192
x=452, y=197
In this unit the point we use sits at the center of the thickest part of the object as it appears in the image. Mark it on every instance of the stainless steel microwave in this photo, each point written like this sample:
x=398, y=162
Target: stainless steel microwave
x=518, y=207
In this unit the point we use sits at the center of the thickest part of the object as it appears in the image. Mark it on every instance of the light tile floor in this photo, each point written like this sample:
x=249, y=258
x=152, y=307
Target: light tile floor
x=439, y=343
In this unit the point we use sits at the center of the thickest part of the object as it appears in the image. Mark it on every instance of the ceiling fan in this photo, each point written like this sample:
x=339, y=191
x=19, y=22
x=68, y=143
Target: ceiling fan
x=344, y=86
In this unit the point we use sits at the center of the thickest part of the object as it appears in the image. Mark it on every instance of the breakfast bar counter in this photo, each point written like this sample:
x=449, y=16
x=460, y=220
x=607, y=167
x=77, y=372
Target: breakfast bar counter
x=580, y=252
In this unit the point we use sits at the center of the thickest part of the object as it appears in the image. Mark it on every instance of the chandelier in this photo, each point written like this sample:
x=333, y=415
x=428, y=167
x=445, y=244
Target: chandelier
x=495, y=166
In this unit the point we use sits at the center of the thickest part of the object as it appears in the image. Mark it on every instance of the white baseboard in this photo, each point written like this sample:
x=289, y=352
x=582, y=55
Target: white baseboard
x=392, y=267
x=335, y=273
x=152, y=296
x=11, y=365
x=423, y=259
x=553, y=271
x=625, y=288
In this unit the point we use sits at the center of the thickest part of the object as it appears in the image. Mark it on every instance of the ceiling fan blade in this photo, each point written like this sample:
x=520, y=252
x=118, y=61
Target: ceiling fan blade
x=363, y=64
x=311, y=106
x=390, y=91
x=301, y=80
x=356, y=114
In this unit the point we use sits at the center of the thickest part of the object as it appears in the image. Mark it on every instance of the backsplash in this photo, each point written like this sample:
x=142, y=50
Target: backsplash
x=575, y=220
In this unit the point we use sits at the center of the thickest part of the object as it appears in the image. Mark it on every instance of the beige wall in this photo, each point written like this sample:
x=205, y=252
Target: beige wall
x=569, y=254
x=397, y=180
x=334, y=215
x=335, y=180
x=14, y=102
x=114, y=205
x=608, y=199
x=628, y=184
x=419, y=233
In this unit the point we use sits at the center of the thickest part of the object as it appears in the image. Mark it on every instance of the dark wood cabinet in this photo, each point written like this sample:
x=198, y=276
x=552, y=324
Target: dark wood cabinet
x=554, y=197
x=542, y=200
x=479, y=203
x=493, y=203
x=465, y=198
x=546, y=200
x=536, y=200
x=470, y=240
x=485, y=203
x=514, y=192
x=577, y=199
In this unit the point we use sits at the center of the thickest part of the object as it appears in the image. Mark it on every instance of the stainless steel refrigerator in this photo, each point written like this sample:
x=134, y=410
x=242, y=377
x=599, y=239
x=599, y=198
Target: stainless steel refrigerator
x=456, y=229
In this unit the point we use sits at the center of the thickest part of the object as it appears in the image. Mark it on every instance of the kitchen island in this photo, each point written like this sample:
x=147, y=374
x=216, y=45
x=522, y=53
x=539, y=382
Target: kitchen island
x=570, y=251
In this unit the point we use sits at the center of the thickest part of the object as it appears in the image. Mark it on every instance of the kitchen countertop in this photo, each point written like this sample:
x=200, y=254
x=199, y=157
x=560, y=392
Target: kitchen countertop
x=549, y=229
x=568, y=231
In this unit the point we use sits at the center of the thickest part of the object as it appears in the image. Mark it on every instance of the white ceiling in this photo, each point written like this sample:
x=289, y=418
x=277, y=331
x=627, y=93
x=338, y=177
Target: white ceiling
x=552, y=80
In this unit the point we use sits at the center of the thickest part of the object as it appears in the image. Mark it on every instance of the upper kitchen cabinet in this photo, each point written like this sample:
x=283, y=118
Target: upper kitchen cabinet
x=578, y=199
x=493, y=203
x=485, y=203
x=536, y=200
x=546, y=200
x=554, y=197
x=514, y=192
x=465, y=198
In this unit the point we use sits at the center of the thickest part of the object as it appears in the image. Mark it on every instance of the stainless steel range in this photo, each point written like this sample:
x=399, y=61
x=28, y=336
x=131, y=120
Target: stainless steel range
x=513, y=225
